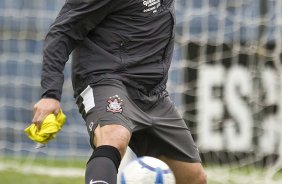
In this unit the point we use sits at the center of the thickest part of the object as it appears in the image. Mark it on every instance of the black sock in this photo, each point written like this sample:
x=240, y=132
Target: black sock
x=101, y=169
x=103, y=165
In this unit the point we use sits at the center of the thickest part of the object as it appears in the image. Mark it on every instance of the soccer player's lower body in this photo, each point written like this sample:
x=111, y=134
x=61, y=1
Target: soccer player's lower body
x=118, y=115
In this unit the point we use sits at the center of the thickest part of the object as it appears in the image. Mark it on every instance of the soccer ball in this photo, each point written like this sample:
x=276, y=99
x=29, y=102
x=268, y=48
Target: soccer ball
x=147, y=170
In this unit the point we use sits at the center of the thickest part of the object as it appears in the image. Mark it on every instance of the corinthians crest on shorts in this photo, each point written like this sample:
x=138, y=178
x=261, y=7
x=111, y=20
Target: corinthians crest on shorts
x=115, y=104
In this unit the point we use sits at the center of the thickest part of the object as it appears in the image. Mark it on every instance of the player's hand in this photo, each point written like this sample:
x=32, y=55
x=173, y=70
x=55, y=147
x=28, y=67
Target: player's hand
x=43, y=108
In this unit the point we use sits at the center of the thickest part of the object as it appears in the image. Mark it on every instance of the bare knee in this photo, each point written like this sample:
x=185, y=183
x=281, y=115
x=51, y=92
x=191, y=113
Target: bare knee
x=186, y=173
x=198, y=176
x=114, y=135
x=201, y=178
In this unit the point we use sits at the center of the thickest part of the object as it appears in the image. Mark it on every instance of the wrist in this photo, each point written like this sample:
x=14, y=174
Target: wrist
x=50, y=95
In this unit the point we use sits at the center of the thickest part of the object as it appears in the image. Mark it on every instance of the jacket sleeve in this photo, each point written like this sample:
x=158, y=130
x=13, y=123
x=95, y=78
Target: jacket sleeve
x=75, y=20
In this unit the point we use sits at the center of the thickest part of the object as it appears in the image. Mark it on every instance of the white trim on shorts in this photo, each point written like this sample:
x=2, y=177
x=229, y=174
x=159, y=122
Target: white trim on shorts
x=88, y=98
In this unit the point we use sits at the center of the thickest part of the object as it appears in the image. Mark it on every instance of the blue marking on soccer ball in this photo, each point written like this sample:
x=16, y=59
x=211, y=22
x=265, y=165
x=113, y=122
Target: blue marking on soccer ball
x=122, y=180
x=152, y=168
x=159, y=176
x=146, y=170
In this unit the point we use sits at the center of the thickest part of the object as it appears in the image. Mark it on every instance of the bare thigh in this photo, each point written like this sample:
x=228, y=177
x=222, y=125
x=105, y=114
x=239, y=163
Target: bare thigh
x=114, y=135
x=186, y=173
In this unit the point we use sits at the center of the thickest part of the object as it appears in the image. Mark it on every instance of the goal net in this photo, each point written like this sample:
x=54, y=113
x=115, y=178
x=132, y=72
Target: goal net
x=225, y=80
x=230, y=55
x=23, y=25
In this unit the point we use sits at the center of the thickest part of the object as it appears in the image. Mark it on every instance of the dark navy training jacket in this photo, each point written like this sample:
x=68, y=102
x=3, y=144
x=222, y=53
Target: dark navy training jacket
x=129, y=40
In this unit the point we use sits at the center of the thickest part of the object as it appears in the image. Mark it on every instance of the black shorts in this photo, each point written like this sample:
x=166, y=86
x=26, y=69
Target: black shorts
x=156, y=126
